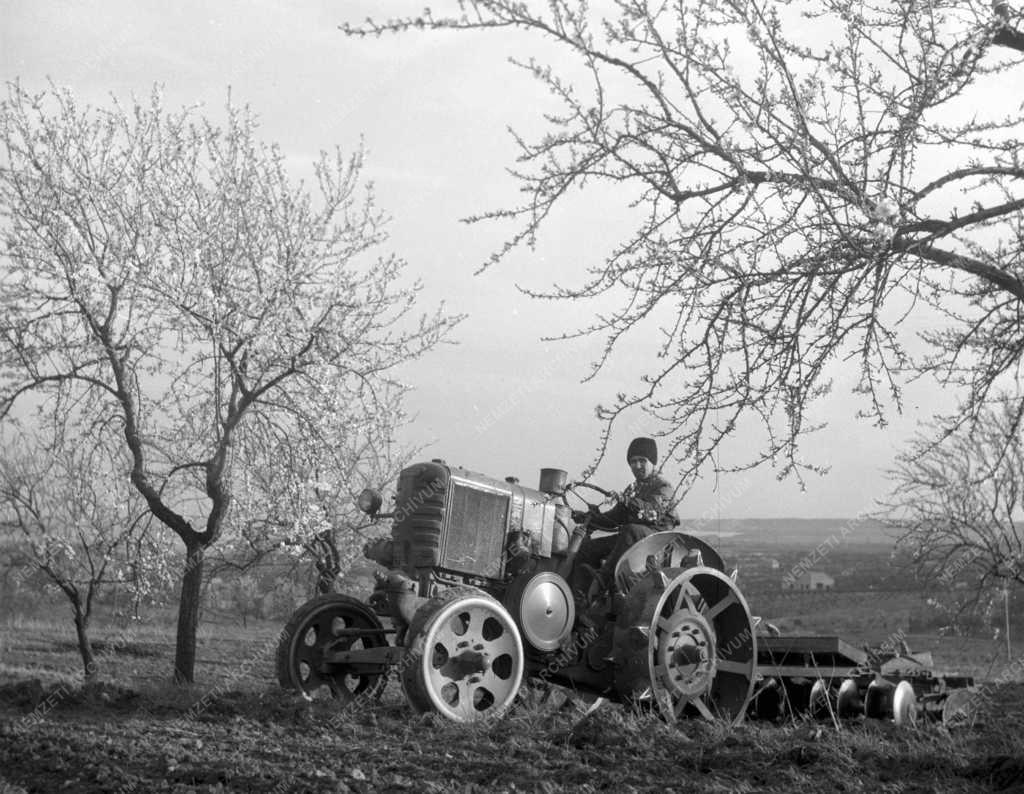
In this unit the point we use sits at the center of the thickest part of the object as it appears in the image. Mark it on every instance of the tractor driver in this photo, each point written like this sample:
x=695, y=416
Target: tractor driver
x=643, y=508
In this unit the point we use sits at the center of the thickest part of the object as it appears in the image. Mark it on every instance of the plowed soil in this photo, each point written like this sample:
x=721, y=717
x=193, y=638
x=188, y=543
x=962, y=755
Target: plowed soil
x=236, y=731
x=113, y=739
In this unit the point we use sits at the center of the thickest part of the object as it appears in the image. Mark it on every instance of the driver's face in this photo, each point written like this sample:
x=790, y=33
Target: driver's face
x=641, y=467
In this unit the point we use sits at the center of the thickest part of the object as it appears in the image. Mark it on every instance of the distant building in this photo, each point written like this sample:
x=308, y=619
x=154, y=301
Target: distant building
x=809, y=580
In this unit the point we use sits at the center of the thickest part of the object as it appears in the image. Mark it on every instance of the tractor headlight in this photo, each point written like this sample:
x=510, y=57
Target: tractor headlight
x=369, y=501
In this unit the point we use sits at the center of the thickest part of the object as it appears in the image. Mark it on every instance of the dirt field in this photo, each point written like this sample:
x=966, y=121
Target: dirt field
x=235, y=731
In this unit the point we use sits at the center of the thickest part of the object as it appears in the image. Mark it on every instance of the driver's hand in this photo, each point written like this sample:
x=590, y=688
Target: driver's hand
x=615, y=496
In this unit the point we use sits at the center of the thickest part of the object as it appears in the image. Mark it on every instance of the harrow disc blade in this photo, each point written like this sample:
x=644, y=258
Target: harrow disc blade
x=849, y=701
x=768, y=701
x=904, y=704
x=962, y=708
x=878, y=699
x=822, y=701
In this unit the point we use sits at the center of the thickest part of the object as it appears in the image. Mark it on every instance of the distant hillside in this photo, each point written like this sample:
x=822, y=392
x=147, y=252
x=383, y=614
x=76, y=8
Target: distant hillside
x=789, y=531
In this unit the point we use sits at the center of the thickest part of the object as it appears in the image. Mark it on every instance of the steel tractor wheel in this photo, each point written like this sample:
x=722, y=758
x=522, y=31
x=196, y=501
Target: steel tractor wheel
x=686, y=641
x=465, y=656
x=329, y=622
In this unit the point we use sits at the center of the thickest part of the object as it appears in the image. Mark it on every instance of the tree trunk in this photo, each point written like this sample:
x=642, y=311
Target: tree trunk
x=325, y=557
x=84, y=643
x=188, y=616
x=326, y=578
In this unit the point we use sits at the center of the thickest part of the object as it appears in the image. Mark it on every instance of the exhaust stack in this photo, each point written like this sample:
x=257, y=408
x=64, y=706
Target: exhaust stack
x=552, y=480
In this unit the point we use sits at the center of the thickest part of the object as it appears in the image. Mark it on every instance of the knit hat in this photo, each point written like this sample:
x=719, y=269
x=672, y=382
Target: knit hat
x=644, y=447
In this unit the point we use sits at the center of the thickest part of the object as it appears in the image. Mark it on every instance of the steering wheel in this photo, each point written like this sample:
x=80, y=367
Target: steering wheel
x=592, y=508
x=583, y=484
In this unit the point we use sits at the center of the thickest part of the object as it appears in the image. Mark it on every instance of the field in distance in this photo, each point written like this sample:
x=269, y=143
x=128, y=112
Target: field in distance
x=807, y=532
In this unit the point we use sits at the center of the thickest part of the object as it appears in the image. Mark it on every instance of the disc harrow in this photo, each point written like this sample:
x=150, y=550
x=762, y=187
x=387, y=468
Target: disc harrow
x=825, y=677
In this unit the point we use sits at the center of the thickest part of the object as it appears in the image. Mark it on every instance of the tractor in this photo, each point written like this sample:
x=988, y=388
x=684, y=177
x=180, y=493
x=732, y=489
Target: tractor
x=477, y=597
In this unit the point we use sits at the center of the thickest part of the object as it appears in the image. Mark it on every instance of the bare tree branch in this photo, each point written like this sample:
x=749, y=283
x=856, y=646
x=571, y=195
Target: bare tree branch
x=805, y=175
x=166, y=271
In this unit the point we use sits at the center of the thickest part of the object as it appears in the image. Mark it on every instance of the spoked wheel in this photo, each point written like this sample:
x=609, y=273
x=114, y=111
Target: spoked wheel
x=336, y=622
x=466, y=656
x=701, y=650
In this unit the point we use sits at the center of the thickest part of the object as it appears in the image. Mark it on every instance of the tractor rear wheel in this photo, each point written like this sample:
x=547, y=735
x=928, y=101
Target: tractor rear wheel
x=334, y=620
x=465, y=656
x=693, y=643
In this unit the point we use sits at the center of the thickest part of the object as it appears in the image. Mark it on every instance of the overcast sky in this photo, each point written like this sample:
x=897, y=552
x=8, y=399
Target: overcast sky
x=433, y=111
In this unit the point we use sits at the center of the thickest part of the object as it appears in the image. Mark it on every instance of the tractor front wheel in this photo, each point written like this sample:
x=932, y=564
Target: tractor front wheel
x=465, y=656
x=329, y=622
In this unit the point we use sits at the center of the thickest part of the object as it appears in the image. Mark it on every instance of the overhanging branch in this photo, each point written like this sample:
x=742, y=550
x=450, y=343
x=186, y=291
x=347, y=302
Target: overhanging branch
x=993, y=275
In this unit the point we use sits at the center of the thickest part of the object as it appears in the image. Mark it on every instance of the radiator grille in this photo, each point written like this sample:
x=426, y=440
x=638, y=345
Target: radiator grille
x=477, y=521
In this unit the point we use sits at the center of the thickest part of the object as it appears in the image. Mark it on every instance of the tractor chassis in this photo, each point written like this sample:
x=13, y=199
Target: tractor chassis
x=362, y=660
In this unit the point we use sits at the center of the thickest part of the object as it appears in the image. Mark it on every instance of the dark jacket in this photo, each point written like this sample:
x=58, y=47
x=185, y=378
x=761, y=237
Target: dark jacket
x=647, y=502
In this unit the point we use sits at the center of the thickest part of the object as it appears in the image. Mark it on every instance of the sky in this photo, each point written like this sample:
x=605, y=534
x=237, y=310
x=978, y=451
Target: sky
x=433, y=110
